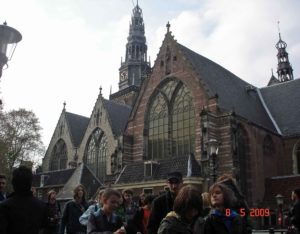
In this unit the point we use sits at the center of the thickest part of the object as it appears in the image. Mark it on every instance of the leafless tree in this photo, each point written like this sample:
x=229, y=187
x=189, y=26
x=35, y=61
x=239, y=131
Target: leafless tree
x=20, y=138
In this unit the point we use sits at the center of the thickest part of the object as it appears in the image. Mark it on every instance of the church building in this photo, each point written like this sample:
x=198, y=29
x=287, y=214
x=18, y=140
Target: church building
x=165, y=117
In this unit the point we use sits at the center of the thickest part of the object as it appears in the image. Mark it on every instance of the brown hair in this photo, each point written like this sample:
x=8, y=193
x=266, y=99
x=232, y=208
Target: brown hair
x=49, y=193
x=206, y=199
x=225, y=177
x=228, y=195
x=187, y=198
x=110, y=192
x=128, y=191
x=76, y=190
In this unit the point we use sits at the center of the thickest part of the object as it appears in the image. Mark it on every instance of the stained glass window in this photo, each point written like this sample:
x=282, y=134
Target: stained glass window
x=95, y=154
x=298, y=158
x=171, y=122
x=268, y=147
x=242, y=158
x=59, y=156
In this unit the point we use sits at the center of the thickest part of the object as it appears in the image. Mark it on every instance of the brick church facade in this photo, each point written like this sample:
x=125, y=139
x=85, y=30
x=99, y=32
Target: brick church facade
x=163, y=118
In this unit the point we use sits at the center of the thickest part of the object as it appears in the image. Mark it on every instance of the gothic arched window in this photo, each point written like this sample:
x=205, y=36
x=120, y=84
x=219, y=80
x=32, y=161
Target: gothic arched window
x=171, y=122
x=59, y=156
x=268, y=157
x=298, y=158
x=242, y=158
x=95, y=153
x=268, y=147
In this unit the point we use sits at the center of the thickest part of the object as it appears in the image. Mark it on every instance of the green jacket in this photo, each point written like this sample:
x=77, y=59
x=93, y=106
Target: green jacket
x=174, y=224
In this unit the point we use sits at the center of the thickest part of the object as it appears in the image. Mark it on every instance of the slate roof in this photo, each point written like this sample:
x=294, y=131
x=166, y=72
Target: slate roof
x=273, y=80
x=283, y=185
x=118, y=115
x=53, y=178
x=283, y=101
x=231, y=90
x=77, y=125
x=134, y=172
x=82, y=175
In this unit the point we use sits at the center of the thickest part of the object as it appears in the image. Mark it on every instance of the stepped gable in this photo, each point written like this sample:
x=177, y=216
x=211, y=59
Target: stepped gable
x=134, y=172
x=283, y=101
x=234, y=94
x=77, y=125
x=118, y=115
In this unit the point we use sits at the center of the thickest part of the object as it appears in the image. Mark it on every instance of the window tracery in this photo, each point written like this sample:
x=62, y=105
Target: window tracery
x=171, y=122
x=59, y=156
x=298, y=158
x=96, y=153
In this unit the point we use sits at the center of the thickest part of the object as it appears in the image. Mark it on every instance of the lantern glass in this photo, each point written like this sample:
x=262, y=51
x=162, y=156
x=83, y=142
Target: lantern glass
x=213, y=146
x=279, y=199
x=9, y=37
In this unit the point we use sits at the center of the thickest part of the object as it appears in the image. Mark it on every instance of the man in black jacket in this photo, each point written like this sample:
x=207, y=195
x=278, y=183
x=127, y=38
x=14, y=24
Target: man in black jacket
x=164, y=203
x=21, y=212
x=294, y=213
x=2, y=188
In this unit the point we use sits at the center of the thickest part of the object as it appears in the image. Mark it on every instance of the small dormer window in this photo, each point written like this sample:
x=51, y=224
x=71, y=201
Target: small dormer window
x=149, y=168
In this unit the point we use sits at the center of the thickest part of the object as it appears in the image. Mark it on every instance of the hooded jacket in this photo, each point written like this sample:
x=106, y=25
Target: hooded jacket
x=174, y=224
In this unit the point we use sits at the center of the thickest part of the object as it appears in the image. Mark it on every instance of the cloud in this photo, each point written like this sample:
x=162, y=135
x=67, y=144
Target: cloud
x=70, y=48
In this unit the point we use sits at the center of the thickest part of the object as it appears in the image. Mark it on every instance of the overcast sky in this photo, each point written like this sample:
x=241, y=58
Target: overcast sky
x=72, y=47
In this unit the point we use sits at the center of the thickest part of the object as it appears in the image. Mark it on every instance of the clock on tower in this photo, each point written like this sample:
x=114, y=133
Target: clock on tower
x=123, y=76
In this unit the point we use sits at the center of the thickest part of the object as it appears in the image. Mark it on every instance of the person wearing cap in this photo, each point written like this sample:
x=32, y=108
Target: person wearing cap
x=163, y=204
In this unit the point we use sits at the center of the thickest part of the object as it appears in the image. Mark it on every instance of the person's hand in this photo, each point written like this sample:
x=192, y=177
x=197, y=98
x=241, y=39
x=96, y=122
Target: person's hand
x=120, y=231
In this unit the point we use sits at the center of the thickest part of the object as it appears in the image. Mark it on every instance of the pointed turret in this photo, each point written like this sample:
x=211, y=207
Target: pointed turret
x=273, y=80
x=284, y=68
x=135, y=68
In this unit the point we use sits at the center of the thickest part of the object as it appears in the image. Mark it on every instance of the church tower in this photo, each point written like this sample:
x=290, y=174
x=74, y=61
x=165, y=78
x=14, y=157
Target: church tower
x=284, y=68
x=136, y=67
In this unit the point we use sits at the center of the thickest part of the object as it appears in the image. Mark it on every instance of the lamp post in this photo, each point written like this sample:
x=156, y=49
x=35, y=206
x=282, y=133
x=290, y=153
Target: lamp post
x=9, y=37
x=213, y=148
x=279, y=201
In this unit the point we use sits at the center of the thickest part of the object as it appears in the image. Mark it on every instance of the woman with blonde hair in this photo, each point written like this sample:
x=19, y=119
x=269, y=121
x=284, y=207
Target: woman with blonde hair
x=72, y=211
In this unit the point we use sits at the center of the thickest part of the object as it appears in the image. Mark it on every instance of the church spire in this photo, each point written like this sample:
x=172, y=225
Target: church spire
x=135, y=66
x=284, y=68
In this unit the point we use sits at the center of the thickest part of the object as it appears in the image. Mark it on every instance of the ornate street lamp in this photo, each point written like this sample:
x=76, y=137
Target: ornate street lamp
x=279, y=201
x=213, y=148
x=9, y=37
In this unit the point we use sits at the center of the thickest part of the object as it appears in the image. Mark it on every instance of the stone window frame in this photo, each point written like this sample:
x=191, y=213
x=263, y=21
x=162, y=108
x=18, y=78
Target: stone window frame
x=95, y=158
x=166, y=95
x=296, y=158
x=268, y=146
x=59, y=156
x=243, y=165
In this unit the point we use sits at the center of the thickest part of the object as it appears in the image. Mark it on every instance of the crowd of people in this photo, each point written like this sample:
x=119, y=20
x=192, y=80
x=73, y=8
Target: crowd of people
x=182, y=209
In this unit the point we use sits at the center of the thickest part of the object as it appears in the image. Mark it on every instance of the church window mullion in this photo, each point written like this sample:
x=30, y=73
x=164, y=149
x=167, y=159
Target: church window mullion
x=173, y=107
x=298, y=158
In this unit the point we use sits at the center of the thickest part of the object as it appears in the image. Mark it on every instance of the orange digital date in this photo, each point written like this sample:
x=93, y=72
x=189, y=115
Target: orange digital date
x=253, y=212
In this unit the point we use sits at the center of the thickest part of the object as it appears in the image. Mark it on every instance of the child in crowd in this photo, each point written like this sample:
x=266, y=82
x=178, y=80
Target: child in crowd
x=105, y=219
